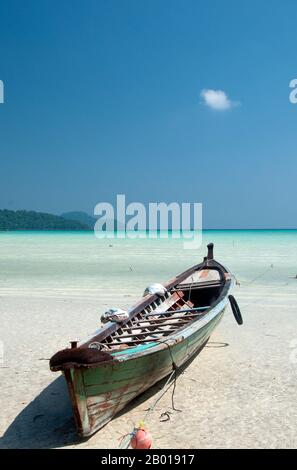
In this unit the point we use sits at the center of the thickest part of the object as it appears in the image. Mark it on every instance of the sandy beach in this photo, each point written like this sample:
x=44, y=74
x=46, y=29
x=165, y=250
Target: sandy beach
x=239, y=392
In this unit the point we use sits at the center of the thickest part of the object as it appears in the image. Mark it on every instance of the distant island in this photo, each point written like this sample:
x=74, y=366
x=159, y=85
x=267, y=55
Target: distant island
x=81, y=217
x=31, y=220
x=90, y=221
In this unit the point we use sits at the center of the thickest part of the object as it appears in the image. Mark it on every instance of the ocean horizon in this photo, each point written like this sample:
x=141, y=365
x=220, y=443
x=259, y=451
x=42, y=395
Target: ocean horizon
x=153, y=231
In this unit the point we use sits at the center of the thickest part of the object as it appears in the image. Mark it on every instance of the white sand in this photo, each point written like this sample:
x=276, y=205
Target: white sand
x=242, y=394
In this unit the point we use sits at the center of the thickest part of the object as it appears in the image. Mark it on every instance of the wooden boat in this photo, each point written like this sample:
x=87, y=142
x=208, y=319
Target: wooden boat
x=161, y=333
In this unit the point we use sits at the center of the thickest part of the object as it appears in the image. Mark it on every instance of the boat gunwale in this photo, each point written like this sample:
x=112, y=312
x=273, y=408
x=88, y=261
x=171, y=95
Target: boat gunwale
x=179, y=335
x=111, y=327
x=176, y=337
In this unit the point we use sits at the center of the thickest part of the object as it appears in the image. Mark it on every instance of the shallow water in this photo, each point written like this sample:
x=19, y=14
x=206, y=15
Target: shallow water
x=77, y=264
x=54, y=287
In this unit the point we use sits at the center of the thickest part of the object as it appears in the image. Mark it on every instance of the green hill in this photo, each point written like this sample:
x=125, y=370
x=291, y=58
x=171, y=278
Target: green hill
x=81, y=217
x=31, y=220
x=88, y=220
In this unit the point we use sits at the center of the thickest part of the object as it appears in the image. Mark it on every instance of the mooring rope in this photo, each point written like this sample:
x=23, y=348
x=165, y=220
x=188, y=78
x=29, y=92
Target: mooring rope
x=250, y=282
x=126, y=439
x=259, y=276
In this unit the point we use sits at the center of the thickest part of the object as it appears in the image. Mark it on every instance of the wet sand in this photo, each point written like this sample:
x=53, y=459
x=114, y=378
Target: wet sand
x=239, y=392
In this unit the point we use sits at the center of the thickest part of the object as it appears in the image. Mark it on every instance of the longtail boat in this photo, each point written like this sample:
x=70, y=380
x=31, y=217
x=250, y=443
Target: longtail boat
x=159, y=334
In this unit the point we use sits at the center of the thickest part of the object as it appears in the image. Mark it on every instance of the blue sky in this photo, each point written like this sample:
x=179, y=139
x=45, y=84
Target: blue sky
x=104, y=98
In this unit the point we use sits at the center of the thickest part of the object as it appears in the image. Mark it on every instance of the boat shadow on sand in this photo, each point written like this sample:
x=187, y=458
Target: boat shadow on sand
x=47, y=421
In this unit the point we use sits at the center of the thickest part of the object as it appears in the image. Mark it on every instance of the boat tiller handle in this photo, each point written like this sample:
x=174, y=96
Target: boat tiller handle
x=235, y=309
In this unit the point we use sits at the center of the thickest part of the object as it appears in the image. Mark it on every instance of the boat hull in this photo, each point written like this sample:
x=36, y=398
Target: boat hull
x=99, y=393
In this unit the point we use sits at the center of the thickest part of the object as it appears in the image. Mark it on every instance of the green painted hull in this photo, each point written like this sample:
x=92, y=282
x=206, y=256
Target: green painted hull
x=98, y=393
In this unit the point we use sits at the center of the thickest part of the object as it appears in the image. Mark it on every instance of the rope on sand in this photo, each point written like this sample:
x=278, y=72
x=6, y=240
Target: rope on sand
x=126, y=439
x=259, y=276
x=248, y=283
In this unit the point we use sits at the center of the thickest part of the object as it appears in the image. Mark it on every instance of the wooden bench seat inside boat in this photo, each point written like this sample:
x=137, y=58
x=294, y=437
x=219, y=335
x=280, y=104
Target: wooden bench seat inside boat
x=152, y=322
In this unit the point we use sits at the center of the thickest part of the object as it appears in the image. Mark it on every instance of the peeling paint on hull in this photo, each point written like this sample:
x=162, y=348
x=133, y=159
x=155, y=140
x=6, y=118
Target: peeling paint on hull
x=98, y=394
x=110, y=369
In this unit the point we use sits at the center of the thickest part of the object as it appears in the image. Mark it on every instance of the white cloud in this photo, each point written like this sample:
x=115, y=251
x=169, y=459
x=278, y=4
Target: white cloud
x=217, y=99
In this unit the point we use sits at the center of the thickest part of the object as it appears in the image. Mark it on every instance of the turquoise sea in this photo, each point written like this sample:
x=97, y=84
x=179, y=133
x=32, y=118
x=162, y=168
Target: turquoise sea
x=54, y=286
x=77, y=264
